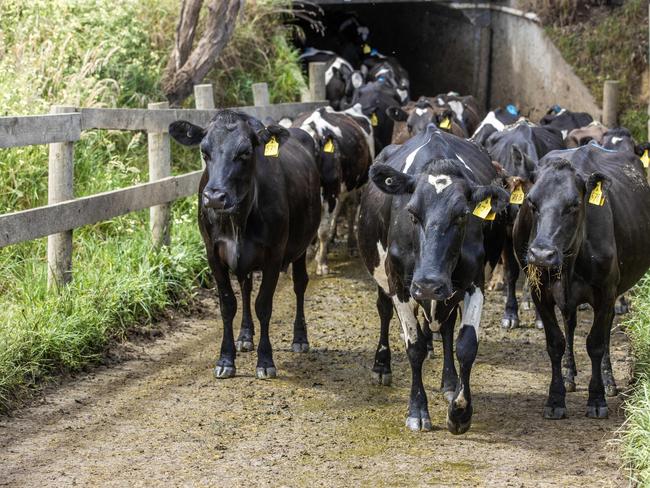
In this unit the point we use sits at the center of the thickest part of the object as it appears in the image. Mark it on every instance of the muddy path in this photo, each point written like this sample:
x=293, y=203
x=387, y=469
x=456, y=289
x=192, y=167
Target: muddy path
x=161, y=419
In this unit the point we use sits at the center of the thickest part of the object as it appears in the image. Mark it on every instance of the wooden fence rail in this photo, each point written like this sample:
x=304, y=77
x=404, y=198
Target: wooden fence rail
x=64, y=126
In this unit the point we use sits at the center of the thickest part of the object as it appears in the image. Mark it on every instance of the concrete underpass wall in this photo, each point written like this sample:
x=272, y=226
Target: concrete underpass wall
x=527, y=69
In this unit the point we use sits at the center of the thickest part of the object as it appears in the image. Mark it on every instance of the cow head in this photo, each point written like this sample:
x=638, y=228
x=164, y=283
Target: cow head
x=231, y=146
x=619, y=140
x=440, y=202
x=556, y=203
x=330, y=165
x=375, y=98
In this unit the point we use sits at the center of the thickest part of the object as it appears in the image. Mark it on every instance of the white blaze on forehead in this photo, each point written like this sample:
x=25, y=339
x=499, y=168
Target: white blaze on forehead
x=336, y=64
x=472, y=308
x=440, y=101
x=420, y=111
x=379, y=273
x=315, y=124
x=411, y=157
x=564, y=133
x=439, y=182
x=490, y=119
x=407, y=318
x=403, y=94
x=458, y=108
x=616, y=140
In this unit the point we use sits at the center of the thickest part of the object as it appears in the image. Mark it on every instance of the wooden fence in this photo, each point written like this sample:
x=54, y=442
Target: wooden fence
x=64, y=125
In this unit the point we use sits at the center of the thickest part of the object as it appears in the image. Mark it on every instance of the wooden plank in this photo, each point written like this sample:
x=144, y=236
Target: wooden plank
x=59, y=217
x=39, y=129
x=159, y=120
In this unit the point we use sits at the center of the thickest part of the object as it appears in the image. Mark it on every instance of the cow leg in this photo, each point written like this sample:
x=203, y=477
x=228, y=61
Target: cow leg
x=606, y=368
x=326, y=230
x=555, y=407
x=596, y=346
x=381, y=371
x=416, y=350
x=263, y=309
x=300, y=281
x=352, y=214
x=622, y=307
x=449, y=380
x=511, y=270
x=459, y=413
x=568, y=361
x=225, y=367
x=244, y=342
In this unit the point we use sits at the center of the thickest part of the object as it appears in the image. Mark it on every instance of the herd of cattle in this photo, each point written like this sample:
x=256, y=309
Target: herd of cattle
x=451, y=190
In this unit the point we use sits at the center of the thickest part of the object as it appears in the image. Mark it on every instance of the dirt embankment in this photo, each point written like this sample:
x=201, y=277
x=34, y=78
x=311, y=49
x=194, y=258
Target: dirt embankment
x=161, y=419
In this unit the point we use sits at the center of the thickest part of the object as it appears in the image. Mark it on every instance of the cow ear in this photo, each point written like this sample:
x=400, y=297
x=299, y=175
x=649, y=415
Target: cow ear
x=498, y=196
x=186, y=133
x=397, y=114
x=595, y=178
x=639, y=149
x=274, y=130
x=522, y=160
x=391, y=181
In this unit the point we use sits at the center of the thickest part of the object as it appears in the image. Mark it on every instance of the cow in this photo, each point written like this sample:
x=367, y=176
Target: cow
x=465, y=108
x=495, y=121
x=415, y=117
x=374, y=99
x=346, y=150
x=386, y=69
x=583, y=135
x=425, y=250
x=583, y=233
x=517, y=149
x=565, y=120
x=259, y=210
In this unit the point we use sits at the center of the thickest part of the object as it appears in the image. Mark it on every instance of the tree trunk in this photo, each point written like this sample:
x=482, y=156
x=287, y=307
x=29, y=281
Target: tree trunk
x=187, y=67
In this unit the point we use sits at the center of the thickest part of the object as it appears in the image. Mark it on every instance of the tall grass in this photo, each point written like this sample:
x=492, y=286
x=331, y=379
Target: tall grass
x=105, y=53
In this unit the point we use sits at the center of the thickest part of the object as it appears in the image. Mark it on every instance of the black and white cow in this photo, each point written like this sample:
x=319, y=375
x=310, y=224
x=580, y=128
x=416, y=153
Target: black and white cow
x=416, y=116
x=346, y=150
x=386, y=69
x=495, y=121
x=465, y=108
x=259, y=209
x=583, y=231
x=565, y=120
x=517, y=149
x=425, y=249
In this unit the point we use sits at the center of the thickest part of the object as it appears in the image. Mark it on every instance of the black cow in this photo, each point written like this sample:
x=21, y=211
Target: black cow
x=518, y=149
x=346, y=149
x=386, y=69
x=495, y=121
x=375, y=98
x=565, y=120
x=583, y=232
x=259, y=209
x=425, y=249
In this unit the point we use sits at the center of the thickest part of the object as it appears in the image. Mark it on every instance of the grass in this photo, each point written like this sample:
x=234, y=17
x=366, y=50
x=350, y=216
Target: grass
x=611, y=43
x=106, y=53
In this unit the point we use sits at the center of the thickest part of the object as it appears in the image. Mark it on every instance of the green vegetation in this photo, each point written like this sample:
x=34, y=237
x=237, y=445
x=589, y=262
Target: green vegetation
x=106, y=53
x=611, y=43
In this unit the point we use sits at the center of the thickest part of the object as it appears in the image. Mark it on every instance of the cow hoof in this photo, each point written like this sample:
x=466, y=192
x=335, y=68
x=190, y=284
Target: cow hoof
x=300, y=347
x=417, y=424
x=555, y=413
x=621, y=309
x=611, y=390
x=569, y=386
x=436, y=336
x=244, y=346
x=322, y=270
x=594, y=412
x=266, y=373
x=459, y=427
x=539, y=324
x=384, y=379
x=507, y=323
x=583, y=306
x=223, y=372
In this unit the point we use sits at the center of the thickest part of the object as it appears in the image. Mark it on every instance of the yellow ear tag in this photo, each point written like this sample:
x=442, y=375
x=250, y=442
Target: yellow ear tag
x=272, y=148
x=373, y=120
x=645, y=159
x=329, y=146
x=597, y=197
x=445, y=124
x=484, y=209
x=517, y=195
x=366, y=49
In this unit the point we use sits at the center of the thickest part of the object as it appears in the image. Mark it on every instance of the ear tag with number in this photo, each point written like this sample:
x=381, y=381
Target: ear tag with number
x=645, y=159
x=597, y=197
x=374, y=120
x=484, y=209
x=366, y=49
x=517, y=195
x=272, y=148
x=329, y=146
x=445, y=124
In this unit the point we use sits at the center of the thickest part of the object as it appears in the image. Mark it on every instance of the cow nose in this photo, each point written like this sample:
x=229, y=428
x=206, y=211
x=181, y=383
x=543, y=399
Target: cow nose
x=213, y=198
x=542, y=256
x=430, y=290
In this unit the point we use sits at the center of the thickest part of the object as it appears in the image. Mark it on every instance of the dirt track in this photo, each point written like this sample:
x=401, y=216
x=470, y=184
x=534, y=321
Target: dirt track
x=161, y=419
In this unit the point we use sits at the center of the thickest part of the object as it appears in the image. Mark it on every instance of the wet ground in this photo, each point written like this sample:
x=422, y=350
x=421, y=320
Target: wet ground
x=161, y=419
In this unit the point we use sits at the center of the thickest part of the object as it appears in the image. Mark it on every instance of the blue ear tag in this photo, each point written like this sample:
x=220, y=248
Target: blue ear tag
x=374, y=52
x=557, y=108
x=381, y=79
x=512, y=110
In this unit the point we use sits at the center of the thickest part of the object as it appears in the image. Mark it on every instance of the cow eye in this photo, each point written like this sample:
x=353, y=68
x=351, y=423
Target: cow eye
x=244, y=155
x=573, y=208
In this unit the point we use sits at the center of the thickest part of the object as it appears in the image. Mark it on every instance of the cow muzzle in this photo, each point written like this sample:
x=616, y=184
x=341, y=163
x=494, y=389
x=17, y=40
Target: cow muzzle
x=216, y=199
x=431, y=289
x=543, y=256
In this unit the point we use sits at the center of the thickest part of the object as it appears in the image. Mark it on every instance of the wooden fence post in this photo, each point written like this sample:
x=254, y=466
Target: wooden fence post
x=159, y=167
x=317, y=81
x=610, y=103
x=203, y=100
x=60, y=187
x=261, y=96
